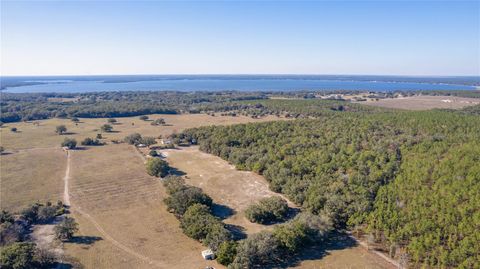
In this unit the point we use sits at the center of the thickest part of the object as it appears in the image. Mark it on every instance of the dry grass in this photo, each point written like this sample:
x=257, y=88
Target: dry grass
x=32, y=175
x=117, y=204
x=227, y=186
x=110, y=183
x=425, y=102
x=42, y=133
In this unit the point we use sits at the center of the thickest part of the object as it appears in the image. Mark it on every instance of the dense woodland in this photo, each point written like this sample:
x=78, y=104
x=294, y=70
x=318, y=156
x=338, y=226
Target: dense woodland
x=35, y=106
x=412, y=179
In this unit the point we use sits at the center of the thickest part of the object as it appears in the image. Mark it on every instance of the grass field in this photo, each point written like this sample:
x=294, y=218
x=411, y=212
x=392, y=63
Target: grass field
x=425, y=102
x=228, y=187
x=31, y=175
x=42, y=133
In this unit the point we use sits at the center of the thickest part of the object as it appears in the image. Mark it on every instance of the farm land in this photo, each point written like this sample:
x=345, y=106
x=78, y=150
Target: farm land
x=122, y=218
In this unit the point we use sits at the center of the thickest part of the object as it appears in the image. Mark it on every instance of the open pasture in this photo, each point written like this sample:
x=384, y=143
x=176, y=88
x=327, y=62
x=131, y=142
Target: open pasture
x=111, y=190
x=31, y=175
x=42, y=133
x=231, y=189
x=424, y=102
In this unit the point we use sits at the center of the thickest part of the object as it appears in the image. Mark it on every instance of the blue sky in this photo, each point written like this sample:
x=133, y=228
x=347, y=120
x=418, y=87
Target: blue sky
x=254, y=37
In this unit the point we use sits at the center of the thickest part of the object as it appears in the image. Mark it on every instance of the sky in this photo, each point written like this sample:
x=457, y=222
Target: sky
x=429, y=38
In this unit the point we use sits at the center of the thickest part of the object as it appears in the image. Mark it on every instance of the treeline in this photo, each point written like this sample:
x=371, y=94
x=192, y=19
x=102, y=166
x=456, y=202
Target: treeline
x=31, y=106
x=410, y=178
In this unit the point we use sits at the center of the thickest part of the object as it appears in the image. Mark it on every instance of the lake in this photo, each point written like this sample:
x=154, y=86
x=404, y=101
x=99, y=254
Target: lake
x=219, y=83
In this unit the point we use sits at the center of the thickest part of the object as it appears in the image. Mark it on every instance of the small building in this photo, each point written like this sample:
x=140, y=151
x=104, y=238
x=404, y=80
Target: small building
x=208, y=254
x=141, y=145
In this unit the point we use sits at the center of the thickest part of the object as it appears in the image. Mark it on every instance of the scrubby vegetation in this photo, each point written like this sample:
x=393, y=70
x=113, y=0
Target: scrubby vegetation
x=409, y=178
x=70, y=143
x=157, y=167
x=268, y=210
x=16, y=249
x=91, y=142
x=193, y=208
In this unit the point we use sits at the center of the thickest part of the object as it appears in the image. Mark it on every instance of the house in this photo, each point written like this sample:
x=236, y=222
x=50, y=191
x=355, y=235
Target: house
x=208, y=254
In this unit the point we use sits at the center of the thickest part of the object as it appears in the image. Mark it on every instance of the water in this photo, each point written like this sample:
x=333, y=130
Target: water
x=219, y=83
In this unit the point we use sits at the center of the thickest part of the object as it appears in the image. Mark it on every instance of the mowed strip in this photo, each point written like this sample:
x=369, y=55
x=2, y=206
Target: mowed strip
x=32, y=175
x=114, y=198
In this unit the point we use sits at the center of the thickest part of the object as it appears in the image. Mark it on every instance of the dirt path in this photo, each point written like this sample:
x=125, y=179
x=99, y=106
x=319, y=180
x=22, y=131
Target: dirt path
x=66, y=195
x=105, y=235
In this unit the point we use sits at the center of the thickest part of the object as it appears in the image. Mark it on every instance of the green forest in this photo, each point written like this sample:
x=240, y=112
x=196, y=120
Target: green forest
x=411, y=179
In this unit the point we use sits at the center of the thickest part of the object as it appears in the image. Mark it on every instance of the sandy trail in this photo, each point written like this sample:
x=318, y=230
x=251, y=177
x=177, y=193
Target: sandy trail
x=105, y=235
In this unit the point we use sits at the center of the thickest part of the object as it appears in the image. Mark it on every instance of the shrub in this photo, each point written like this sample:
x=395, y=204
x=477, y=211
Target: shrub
x=111, y=120
x=217, y=234
x=181, y=200
x=91, y=142
x=13, y=129
x=257, y=250
x=60, y=129
x=153, y=153
x=106, y=128
x=268, y=210
x=157, y=167
x=196, y=221
x=69, y=143
x=133, y=139
x=143, y=117
x=66, y=228
x=158, y=122
x=18, y=256
x=75, y=119
x=226, y=252
x=174, y=184
x=148, y=141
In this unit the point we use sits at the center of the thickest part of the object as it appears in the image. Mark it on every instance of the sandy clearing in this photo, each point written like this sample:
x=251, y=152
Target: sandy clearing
x=424, y=102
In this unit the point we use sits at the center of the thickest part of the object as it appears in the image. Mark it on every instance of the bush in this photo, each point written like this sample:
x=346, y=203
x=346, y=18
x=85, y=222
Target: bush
x=196, y=221
x=18, y=256
x=257, y=250
x=174, y=184
x=75, y=119
x=181, y=200
x=143, y=117
x=217, y=234
x=69, y=143
x=13, y=129
x=158, y=122
x=60, y=129
x=133, y=139
x=66, y=228
x=148, y=141
x=91, y=142
x=106, y=128
x=157, y=167
x=226, y=252
x=153, y=153
x=268, y=210
x=112, y=120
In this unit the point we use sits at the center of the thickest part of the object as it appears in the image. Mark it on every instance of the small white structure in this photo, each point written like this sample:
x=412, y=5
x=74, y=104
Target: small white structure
x=141, y=145
x=208, y=254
